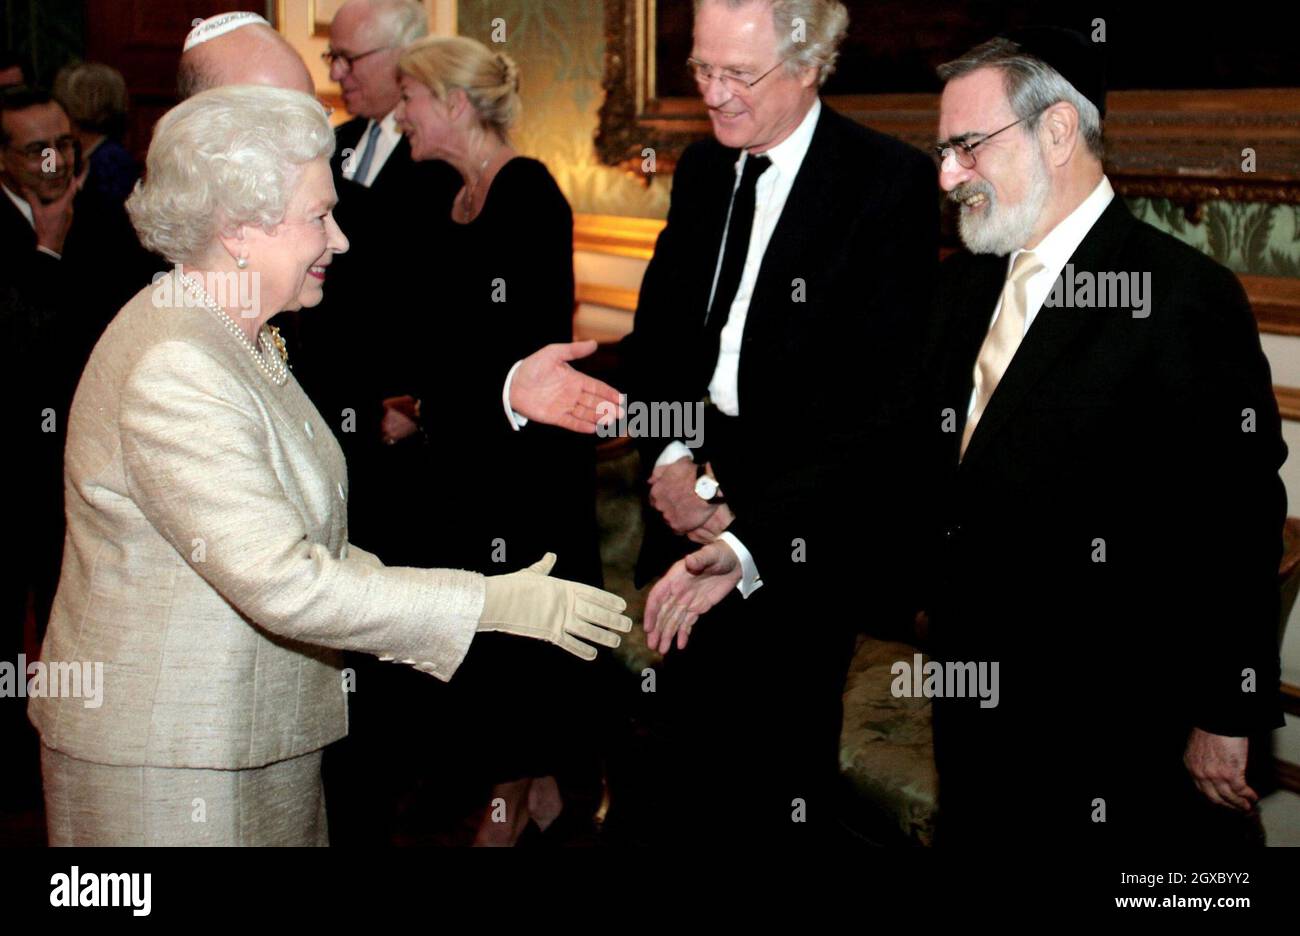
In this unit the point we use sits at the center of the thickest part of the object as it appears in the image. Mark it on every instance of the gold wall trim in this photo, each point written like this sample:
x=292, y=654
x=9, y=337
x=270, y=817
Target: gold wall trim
x=1276, y=302
x=1288, y=402
x=611, y=297
x=316, y=18
x=1274, y=299
x=1287, y=775
x=1291, y=699
x=616, y=235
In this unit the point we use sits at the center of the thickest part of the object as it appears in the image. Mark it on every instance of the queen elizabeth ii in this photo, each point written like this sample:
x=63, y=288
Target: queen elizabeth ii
x=207, y=563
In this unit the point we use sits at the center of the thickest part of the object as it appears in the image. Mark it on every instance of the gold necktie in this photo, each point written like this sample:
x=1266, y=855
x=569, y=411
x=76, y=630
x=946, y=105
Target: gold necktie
x=1002, y=340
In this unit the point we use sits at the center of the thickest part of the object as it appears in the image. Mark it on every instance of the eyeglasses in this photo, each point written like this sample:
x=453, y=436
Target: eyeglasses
x=37, y=150
x=734, y=81
x=965, y=150
x=329, y=57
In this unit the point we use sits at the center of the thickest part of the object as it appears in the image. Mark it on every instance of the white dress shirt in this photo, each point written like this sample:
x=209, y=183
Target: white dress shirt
x=770, y=195
x=1054, y=252
x=385, y=143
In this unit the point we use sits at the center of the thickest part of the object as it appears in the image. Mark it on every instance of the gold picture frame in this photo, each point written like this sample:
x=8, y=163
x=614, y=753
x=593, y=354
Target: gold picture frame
x=320, y=14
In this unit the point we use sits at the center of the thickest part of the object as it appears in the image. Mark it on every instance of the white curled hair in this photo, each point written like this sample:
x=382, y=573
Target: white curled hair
x=224, y=158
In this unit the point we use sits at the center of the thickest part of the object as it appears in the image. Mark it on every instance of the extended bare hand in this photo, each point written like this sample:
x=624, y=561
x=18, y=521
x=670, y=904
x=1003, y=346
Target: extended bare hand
x=1217, y=764
x=693, y=586
x=547, y=389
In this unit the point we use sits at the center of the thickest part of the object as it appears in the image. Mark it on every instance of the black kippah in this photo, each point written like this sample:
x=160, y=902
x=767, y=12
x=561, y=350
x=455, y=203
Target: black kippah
x=1078, y=61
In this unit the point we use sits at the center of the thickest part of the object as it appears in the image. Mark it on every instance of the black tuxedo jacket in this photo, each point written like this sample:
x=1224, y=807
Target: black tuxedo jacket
x=1112, y=536
x=402, y=184
x=52, y=311
x=827, y=358
x=395, y=228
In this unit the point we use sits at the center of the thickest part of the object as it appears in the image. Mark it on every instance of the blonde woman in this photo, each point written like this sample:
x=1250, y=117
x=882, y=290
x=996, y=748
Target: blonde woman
x=508, y=287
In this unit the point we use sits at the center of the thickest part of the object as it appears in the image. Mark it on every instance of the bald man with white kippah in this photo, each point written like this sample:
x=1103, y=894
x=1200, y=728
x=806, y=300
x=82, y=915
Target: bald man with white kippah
x=239, y=48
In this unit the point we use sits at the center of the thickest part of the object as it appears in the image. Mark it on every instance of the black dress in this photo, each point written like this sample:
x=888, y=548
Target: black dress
x=508, y=278
x=490, y=500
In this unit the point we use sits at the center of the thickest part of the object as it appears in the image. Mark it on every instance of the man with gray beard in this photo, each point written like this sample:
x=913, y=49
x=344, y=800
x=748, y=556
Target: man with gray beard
x=1109, y=508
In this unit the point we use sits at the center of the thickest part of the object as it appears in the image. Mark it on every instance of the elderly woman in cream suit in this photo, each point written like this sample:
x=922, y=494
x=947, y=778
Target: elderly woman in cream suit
x=207, y=564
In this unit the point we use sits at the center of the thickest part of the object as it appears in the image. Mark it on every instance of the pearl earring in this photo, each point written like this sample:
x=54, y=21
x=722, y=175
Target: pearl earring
x=242, y=262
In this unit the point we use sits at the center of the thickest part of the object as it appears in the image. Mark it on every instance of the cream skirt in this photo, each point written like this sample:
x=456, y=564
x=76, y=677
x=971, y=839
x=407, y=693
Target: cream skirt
x=100, y=804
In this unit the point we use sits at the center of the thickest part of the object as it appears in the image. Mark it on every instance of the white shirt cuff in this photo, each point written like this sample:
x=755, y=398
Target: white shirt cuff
x=673, y=451
x=46, y=250
x=749, y=580
x=517, y=422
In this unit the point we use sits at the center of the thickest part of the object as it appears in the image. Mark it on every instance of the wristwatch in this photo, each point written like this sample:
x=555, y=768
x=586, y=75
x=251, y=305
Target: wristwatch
x=707, y=488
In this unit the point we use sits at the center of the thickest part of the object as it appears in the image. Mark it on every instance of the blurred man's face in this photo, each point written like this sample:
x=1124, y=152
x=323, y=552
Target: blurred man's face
x=370, y=83
x=40, y=151
x=740, y=45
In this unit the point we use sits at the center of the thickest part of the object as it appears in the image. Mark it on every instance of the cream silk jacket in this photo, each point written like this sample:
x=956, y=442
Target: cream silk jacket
x=206, y=563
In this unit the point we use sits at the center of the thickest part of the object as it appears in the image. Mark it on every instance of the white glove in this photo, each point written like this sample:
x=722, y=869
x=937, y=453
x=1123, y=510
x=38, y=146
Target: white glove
x=530, y=603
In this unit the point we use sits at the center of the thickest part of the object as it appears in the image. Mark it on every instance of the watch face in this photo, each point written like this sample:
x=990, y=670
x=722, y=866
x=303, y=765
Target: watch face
x=706, y=487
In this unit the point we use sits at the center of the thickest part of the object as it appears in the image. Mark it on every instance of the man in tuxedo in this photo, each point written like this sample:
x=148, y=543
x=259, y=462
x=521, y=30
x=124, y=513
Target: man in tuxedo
x=1108, y=512
x=378, y=183
x=785, y=297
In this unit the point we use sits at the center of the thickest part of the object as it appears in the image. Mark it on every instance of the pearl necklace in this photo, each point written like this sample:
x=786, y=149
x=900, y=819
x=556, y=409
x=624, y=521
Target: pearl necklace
x=271, y=354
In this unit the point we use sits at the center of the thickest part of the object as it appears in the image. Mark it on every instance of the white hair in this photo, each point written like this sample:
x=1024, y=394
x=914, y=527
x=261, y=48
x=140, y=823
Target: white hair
x=398, y=22
x=809, y=32
x=224, y=158
x=1032, y=86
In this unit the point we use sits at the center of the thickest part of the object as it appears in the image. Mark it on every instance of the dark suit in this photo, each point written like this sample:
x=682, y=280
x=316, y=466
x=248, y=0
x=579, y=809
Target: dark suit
x=52, y=312
x=354, y=351
x=813, y=467
x=1111, y=537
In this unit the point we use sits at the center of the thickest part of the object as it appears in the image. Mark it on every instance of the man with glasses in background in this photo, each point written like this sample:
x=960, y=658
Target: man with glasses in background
x=380, y=187
x=786, y=294
x=1108, y=508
